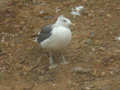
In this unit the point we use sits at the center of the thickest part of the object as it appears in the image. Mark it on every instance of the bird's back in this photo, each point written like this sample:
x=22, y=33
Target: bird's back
x=44, y=33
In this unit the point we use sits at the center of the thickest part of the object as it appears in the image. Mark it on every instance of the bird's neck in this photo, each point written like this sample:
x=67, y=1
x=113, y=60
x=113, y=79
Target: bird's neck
x=57, y=24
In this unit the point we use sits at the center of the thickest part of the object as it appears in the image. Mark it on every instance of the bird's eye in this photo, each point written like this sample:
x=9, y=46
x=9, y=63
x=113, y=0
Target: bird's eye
x=64, y=20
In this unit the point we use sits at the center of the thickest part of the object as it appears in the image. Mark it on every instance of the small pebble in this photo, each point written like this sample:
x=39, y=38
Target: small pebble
x=54, y=85
x=41, y=12
x=48, y=17
x=77, y=10
x=58, y=9
x=87, y=88
x=80, y=69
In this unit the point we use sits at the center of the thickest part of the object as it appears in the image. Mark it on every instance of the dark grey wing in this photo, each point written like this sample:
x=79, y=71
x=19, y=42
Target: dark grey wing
x=44, y=34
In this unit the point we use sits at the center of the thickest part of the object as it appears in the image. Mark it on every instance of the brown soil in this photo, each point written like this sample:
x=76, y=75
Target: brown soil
x=94, y=54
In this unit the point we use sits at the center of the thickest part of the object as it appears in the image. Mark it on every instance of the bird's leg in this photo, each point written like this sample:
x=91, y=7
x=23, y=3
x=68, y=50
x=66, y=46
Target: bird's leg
x=63, y=59
x=52, y=65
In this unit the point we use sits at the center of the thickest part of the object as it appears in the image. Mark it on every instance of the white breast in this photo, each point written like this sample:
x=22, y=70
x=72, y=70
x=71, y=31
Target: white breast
x=60, y=38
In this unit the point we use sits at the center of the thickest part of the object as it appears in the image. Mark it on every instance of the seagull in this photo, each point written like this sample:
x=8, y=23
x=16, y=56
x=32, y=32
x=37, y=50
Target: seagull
x=55, y=37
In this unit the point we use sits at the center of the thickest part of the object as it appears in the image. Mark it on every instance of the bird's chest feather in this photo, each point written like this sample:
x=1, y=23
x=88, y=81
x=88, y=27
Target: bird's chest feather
x=62, y=34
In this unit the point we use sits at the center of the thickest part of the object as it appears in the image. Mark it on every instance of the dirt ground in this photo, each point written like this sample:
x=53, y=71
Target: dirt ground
x=93, y=55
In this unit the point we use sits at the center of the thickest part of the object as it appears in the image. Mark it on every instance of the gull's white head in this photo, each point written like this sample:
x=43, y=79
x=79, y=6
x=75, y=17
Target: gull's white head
x=61, y=20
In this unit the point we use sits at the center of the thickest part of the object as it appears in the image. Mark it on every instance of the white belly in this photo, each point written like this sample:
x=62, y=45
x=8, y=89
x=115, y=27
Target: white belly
x=60, y=38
